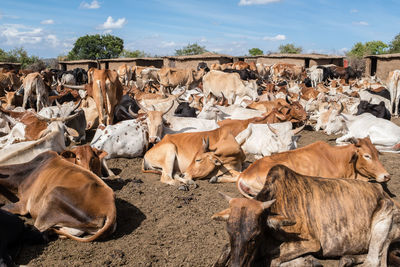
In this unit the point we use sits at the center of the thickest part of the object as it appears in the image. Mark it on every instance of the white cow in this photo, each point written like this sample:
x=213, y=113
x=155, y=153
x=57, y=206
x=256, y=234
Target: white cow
x=316, y=76
x=384, y=134
x=236, y=112
x=228, y=84
x=126, y=139
x=187, y=125
x=265, y=139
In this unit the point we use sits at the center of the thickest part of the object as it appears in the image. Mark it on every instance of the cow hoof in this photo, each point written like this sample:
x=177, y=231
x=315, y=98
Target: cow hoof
x=213, y=180
x=183, y=188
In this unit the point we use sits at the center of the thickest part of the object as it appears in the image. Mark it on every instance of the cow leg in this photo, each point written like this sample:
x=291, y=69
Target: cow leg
x=302, y=261
x=107, y=169
x=16, y=208
x=351, y=260
x=343, y=139
x=379, y=242
x=293, y=250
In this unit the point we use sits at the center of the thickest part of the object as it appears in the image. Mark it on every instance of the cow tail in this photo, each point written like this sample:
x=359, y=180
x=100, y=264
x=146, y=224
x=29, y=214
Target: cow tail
x=108, y=227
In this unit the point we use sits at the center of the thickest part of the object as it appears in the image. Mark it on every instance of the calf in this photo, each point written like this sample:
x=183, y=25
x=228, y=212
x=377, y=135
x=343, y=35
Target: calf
x=61, y=196
x=355, y=161
x=296, y=215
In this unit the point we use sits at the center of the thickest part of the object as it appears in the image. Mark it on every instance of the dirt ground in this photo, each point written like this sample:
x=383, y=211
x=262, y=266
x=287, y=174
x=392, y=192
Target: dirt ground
x=159, y=225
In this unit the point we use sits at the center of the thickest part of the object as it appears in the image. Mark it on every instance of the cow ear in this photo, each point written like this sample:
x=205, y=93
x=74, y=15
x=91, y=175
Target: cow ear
x=276, y=222
x=206, y=145
x=68, y=154
x=100, y=153
x=222, y=215
x=354, y=157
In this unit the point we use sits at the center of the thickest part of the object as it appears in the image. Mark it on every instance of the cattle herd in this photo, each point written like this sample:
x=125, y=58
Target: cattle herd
x=298, y=204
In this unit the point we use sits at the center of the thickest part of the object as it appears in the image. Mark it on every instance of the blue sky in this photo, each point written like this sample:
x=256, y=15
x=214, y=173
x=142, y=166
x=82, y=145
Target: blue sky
x=49, y=28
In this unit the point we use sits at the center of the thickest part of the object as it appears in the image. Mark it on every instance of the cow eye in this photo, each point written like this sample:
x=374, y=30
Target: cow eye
x=366, y=156
x=198, y=160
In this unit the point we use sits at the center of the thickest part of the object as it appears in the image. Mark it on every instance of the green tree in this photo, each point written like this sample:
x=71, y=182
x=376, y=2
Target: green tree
x=394, y=46
x=96, y=47
x=18, y=55
x=360, y=50
x=255, y=52
x=290, y=49
x=191, y=49
x=134, y=53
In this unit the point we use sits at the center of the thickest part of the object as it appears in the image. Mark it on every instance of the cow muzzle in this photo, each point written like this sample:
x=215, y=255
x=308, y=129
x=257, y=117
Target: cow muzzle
x=384, y=177
x=154, y=139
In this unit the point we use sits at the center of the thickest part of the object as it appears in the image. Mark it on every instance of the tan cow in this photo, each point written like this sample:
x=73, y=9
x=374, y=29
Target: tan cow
x=34, y=84
x=124, y=74
x=172, y=77
x=61, y=196
x=354, y=161
x=107, y=92
x=195, y=155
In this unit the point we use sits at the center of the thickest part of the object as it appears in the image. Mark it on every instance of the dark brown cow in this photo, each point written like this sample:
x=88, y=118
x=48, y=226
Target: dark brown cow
x=61, y=196
x=296, y=215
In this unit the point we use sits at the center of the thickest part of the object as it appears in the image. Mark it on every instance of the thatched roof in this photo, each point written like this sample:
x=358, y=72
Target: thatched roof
x=386, y=56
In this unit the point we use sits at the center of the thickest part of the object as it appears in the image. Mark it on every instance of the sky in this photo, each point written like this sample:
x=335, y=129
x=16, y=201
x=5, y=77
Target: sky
x=49, y=28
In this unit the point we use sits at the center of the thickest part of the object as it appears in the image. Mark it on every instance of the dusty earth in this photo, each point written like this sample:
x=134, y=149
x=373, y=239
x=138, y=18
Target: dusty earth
x=159, y=225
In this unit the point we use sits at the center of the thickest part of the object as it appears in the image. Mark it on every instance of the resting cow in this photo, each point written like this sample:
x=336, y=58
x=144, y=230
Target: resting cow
x=354, y=161
x=296, y=215
x=61, y=196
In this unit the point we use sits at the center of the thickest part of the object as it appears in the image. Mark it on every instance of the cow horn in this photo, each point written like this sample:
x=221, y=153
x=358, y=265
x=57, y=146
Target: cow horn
x=341, y=108
x=297, y=130
x=288, y=100
x=206, y=144
x=267, y=204
x=74, y=87
x=272, y=129
x=132, y=113
x=172, y=104
x=228, y=198
x=77, y=105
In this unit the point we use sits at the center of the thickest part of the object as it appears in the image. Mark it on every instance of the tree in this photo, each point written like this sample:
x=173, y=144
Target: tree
x=96, y=47
x=18, y=55
x=255, y=52
x=394, y=46
x=290, y=49
x=134, y=53
x=191, y=49
x=360, y=50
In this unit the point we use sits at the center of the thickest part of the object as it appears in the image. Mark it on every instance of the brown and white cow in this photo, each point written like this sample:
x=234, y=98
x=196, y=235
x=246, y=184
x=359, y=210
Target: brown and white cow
x=124, y=74
x=34, y=84
x=61, y=196
x=355, y=161
x=296, y=215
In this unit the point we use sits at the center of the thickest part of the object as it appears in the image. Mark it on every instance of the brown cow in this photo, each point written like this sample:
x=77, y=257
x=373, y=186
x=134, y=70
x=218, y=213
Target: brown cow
x=355, y=161
x=124, y=74
x=87, y=157
x=107, y=92
x=61, y=196
x=171, y=77
x=295, y=216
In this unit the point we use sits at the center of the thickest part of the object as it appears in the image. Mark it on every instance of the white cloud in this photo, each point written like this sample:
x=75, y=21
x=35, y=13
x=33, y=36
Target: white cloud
x=279, y=37
x=168, y=44
x=361, y=23
x=354, y=10
x=17, y=34
x=111, y=24
x=52, y=40
x=47, y=21
x=93, y=5
x=256, y=2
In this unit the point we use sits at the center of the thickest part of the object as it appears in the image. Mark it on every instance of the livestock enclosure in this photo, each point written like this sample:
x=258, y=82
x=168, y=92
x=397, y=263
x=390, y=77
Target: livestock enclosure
x=381, y=65
x=159, y=225
x=306, y=60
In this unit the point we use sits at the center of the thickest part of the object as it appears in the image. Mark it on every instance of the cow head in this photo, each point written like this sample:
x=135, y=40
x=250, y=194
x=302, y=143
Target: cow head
x=246, y=221
x=154, y=122
x=203, y=163
x=366, y=160
x=86, y=157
